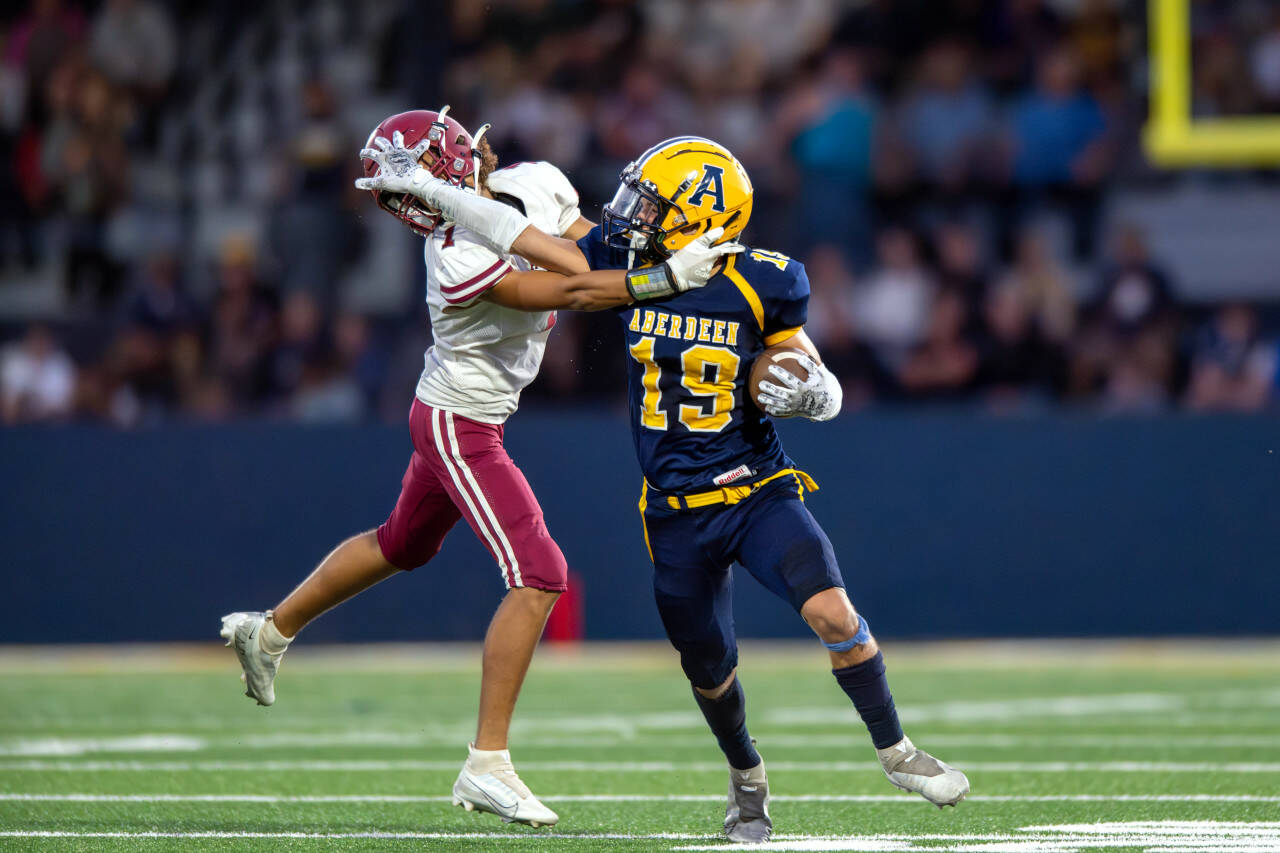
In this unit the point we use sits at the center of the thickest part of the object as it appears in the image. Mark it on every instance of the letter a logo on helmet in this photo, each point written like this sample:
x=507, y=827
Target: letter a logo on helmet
x=673, y=192
x=713, y=183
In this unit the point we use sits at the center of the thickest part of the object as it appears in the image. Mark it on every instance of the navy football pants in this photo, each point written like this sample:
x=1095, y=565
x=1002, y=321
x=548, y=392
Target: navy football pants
x=771, y=534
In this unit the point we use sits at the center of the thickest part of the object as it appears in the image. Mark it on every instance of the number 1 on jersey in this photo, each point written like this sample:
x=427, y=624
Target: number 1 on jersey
x=652, y=416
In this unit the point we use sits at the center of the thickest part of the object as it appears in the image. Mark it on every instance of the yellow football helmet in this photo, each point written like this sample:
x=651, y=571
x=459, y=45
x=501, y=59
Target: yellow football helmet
x=676, y=185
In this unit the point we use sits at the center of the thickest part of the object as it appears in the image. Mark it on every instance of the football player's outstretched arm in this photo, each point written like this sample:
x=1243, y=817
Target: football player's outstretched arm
x=504, y=229
x=557, y=254
x=594, y=290
x=539, y=290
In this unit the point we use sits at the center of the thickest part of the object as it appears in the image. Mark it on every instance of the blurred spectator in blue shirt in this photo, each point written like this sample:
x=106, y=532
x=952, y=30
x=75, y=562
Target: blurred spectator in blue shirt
x=831, y=120
x=1056, y=128
x=1058, y=151
x=946, y=120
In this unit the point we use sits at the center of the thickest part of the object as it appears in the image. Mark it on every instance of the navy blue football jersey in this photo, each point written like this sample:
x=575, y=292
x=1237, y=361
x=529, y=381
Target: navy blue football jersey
x=693, y=420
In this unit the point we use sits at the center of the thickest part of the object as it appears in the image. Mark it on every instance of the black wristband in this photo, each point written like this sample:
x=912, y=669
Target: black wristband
x=650, y=283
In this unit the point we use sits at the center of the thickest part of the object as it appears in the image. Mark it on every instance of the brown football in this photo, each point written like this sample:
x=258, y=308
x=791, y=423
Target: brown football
x=784, y=355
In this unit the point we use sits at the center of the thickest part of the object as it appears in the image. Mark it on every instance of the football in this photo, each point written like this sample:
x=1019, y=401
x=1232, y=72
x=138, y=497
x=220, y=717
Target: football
x=786, y=356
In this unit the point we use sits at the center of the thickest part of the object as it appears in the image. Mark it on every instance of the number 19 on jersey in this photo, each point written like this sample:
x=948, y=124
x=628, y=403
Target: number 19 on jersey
x=708, y=374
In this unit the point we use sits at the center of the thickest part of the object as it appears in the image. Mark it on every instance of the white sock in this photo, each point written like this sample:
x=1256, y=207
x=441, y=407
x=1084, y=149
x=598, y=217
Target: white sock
x=485, y=760
x=271, y=640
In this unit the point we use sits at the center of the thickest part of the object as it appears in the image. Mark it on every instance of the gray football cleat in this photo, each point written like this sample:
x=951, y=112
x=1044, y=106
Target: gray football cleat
x=746, y=816
x=488, y=783
x=919, y=772
x=242, y=631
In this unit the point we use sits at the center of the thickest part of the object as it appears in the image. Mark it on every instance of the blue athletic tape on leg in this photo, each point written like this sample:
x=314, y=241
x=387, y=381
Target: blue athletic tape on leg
x=727, y=717
x=868, y=689
x=858, y=639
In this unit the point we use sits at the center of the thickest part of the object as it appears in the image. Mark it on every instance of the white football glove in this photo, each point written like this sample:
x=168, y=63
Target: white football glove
x=496, y=224
x=688, y=269
x=818, y=398
x=693, y=266
x=398, y=168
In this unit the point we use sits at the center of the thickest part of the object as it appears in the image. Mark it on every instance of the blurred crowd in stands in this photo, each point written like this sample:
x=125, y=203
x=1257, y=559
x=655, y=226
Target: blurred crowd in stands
x=176, y=200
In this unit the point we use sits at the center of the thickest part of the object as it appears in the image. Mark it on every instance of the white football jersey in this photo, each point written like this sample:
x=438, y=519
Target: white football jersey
x=484, y=354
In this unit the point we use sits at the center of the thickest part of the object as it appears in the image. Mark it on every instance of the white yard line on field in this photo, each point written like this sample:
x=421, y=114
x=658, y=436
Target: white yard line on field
x=1172, y=836
x=626, y=798
x=82, y=745
x=320, y=765
x=385, y=836
x=67, y=745
x=1150, y=836
x=996, y=709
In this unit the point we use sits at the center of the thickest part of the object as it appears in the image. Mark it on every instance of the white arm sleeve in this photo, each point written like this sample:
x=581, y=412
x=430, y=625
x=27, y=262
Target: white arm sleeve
x=496, y=225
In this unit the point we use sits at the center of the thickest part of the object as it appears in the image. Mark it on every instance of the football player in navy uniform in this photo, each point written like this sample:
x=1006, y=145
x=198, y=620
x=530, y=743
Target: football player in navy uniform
x=719, y=489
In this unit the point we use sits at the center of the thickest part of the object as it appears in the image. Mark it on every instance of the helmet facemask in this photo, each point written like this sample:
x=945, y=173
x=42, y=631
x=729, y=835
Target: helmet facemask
x=633, y=221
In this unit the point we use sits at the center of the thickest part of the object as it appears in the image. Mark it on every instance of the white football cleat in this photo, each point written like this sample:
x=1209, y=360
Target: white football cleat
x=243, y=632
x=488, y=783
x=746, y=816
x=917, y=771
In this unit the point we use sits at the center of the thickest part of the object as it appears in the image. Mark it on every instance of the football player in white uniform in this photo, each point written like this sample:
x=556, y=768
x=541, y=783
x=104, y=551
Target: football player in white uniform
x=491, y=313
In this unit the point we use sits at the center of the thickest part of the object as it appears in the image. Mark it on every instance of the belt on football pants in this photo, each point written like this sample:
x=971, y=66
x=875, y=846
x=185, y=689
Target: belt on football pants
x=730, y=495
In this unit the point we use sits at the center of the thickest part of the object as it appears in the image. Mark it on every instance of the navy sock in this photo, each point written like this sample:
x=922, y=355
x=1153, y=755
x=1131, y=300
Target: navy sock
x=727, y=717
x=867, y=687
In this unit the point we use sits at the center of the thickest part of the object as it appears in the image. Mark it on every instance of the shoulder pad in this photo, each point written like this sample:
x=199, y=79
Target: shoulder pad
x=548, y=199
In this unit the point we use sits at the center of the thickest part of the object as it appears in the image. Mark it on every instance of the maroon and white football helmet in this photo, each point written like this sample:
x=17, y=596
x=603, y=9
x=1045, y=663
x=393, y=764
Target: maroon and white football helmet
x=455, y=158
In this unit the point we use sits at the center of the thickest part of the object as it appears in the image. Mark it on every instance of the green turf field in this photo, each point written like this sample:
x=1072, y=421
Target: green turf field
x=1068, y=747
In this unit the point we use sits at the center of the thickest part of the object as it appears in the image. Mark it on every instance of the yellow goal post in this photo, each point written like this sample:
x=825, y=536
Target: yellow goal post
x=1171, y=137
